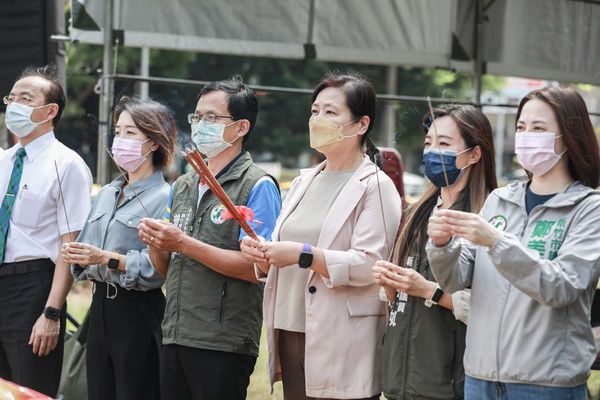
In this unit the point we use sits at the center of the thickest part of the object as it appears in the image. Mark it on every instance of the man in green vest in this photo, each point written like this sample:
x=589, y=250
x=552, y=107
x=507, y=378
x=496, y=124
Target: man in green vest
x=213, y=318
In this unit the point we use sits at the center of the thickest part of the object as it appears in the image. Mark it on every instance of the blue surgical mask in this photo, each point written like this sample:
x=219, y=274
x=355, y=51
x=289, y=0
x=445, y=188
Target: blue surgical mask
x=209, y=138
x=18, y=119
x=437, y=161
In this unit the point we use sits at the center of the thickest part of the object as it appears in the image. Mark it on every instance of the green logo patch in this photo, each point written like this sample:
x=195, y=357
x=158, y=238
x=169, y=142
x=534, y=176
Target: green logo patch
x=498, y=222
x=216, y=214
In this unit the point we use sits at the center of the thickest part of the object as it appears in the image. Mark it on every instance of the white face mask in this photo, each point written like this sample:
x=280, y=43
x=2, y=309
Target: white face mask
x=18, y=119
x=209, y=138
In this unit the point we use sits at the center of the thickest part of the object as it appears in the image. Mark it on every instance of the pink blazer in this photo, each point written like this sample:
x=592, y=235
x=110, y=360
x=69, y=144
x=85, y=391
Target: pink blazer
x=345, y=319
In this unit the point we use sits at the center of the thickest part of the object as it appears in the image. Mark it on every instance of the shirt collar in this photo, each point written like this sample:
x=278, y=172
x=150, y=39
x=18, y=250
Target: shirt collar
x=139, y=186
x=230, y=164
x=36, y=146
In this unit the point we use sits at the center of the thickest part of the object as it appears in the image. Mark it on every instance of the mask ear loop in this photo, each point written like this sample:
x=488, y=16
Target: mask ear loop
x=35, y=108
x=149, y=151
x=345, y=125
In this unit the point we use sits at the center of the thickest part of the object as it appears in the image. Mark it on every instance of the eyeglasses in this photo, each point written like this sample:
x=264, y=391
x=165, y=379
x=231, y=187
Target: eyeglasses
x=23, y=99
x=209, y=118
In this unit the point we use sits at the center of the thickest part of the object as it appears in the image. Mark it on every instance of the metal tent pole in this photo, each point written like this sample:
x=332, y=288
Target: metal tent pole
x=389, y=131
x=106, y=96
x=144, y=72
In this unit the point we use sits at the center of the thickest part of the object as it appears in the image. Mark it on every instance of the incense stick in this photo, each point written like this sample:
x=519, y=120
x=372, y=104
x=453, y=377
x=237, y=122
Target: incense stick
x=194, y=158
x=438, y=141
x=62, y=196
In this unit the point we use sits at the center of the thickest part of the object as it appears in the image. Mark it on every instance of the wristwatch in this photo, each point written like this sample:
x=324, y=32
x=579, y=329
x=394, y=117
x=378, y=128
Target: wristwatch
x=113, y=263
x=52, y=313
x=435, y=297
x=306, y=257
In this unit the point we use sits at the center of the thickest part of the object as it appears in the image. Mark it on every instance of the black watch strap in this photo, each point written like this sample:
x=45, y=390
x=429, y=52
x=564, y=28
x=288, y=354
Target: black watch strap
x=52, y=313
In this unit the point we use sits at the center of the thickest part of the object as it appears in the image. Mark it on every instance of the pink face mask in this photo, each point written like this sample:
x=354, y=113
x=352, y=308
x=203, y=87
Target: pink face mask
x=535, y=151
x=128, y=153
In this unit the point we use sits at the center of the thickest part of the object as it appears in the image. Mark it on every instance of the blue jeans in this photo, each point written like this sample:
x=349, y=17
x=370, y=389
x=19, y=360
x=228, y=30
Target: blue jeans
x=477, y=389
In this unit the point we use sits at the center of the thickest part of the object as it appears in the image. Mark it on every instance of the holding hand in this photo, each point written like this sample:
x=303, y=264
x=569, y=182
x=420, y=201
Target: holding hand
x=252, y=249
x=403, y=279
x=466, y=225
x=282, y=254
x=83, y=254
x=162, y=235
x=277, y=254
x=439, y=234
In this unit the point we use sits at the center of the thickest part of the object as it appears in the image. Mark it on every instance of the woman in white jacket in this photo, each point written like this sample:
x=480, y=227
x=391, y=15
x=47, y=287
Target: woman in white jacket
x=531, y=257
x=322, y=312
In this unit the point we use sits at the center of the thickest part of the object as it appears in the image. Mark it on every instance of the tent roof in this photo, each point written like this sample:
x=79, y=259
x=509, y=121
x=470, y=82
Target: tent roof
x=548, y=39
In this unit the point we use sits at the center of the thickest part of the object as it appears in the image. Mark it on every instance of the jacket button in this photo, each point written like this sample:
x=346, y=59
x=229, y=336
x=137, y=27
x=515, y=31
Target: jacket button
x=312, y=289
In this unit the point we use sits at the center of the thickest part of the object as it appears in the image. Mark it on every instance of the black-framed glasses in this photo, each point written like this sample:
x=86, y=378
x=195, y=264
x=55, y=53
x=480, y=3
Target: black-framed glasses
x=209, y=118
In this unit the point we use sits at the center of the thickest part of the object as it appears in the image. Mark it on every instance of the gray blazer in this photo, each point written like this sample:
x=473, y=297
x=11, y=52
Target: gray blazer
x=114, y=228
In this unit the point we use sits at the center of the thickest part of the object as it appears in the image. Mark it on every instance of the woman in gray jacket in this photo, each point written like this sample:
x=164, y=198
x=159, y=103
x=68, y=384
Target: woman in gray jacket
x=531, y=257
x=127, y=307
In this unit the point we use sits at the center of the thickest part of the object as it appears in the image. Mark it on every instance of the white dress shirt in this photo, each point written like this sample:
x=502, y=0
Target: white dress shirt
x=38, y=216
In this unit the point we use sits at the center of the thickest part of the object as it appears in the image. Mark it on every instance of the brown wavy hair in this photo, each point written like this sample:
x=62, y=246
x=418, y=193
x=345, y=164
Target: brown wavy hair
x=155, y=121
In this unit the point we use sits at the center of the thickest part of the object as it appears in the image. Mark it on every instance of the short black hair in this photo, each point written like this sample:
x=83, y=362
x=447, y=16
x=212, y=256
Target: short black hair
x=54, y=93
x=242, y=103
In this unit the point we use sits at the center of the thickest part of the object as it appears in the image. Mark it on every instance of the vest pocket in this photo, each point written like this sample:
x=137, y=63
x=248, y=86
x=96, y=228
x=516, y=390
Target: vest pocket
x=222, y=307
x=202, y=318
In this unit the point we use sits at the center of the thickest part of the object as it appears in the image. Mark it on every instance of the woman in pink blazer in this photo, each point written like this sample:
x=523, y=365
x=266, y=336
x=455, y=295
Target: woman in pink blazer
x=322, y=312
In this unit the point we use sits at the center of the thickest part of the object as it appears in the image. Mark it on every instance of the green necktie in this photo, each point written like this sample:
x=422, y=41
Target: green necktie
x=9, y=199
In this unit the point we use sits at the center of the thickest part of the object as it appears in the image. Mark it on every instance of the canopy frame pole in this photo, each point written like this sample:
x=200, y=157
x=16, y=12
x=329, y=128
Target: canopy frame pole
x=106, y=95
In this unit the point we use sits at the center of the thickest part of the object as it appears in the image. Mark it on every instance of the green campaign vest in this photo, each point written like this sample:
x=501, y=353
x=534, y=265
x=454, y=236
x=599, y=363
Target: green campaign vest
x=206, y=309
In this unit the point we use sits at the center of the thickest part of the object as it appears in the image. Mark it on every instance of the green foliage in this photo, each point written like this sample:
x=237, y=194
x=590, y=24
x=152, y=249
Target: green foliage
x=281, y=130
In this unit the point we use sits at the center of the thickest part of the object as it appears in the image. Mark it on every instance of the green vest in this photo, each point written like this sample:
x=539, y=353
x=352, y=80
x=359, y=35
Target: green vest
x=206, y=309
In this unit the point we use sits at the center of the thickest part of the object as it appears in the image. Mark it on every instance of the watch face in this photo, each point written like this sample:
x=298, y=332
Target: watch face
x=305, y=260
x=51, y=313
x=113, y=263
x=437, y=295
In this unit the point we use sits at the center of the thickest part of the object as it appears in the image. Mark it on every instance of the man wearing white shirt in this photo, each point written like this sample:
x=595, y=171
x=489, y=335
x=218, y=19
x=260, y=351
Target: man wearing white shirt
x=45, y=199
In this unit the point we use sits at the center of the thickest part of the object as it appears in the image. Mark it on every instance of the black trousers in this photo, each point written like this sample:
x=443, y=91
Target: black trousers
x=188, y=373
x=24, y=290
x=123, y=343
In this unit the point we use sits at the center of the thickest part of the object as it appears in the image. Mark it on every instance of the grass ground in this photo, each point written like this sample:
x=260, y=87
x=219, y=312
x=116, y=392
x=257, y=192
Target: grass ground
x=79, y=301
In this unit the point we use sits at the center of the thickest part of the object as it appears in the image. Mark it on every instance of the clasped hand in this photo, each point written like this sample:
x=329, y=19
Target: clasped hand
x=444, y=224
x=83, y=254
x=403, y=279
x=277, y=254
x=162, y=235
